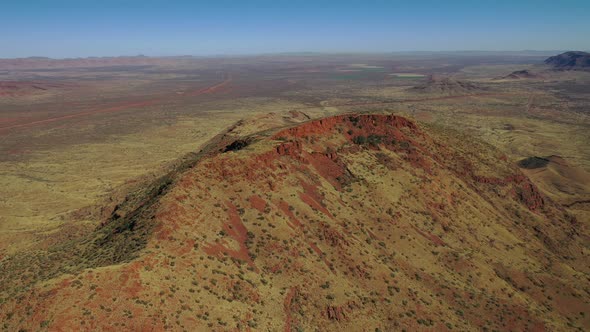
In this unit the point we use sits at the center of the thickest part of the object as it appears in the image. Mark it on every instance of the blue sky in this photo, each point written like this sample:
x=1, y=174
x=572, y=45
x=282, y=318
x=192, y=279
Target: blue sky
x=126, y=27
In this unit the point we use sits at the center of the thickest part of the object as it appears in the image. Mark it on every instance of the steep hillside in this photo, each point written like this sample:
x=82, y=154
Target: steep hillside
x=565, y=183
x=570, y=61
x=353, y=222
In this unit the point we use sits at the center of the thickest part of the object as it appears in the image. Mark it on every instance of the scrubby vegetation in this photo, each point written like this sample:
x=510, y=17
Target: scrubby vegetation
x=419, y=240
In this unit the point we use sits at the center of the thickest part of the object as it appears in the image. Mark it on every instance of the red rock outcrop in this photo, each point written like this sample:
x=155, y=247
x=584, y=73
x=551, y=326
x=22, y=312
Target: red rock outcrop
x=339, y=313
x=376, y=124
x=522, y=190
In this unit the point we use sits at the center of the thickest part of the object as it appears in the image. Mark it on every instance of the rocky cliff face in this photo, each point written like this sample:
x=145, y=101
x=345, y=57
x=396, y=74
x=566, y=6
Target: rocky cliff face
x=353, y=222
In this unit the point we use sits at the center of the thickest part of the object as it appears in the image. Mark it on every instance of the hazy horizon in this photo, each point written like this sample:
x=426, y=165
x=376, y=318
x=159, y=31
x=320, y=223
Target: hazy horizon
x=73, y=29
x=303, y=53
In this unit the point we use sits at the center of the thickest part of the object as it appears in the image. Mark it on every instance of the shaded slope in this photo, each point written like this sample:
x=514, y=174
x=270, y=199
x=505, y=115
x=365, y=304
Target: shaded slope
x=345, y=223
x=565, y=183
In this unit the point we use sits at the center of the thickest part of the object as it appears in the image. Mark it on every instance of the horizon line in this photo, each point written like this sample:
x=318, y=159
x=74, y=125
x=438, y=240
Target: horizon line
x=210, y=55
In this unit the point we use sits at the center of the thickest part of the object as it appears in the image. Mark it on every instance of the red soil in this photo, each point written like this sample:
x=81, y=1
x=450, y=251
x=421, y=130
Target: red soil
x=237, y=231
x=320, y=253
x=258, y=203
x=287, y=307
x=211, y=89
x=433, y=238
x=284, y=206
x=329, y=167
x=313, y=198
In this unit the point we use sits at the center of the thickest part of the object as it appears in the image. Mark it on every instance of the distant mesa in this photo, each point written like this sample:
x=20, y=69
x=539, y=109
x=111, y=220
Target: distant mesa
x=573, y=60
x=447, y=86
x=521, y=74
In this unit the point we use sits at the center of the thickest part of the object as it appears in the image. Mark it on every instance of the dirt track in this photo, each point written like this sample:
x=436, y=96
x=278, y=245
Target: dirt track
x=212, y=88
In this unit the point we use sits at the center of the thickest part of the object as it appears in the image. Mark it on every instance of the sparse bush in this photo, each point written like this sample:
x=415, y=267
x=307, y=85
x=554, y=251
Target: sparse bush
x=360, y=140
x=374, y=140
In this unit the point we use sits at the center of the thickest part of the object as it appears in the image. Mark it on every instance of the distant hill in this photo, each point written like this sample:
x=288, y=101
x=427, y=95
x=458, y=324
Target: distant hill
x=570, y=61
x=358, y=222
x=520, y=74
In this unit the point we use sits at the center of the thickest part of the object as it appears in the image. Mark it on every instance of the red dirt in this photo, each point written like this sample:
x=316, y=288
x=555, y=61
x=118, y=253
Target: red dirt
x=284, y=206
x=313, y=198
x=329, y=167
x=320, y=253
x=287, y=303
x=210, y=89
x=237, y=231
x=433, y=238
x=258, y=203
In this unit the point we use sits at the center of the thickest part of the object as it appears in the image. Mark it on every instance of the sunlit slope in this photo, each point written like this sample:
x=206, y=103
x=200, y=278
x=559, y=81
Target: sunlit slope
x=353, y=222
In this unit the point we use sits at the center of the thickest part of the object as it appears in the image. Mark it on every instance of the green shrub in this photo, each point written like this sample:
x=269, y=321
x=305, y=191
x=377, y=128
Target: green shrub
x=360, y=140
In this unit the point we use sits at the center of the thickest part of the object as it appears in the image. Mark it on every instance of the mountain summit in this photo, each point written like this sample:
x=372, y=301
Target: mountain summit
x=352, y=222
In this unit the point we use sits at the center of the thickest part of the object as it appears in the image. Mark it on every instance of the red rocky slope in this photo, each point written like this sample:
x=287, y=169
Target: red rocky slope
x=354, y=222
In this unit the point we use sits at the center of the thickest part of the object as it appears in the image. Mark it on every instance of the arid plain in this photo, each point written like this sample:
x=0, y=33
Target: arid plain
x=84, y=140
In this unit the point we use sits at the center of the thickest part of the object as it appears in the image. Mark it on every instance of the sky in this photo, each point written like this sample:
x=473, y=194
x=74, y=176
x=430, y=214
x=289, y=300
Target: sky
x=82, y=28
